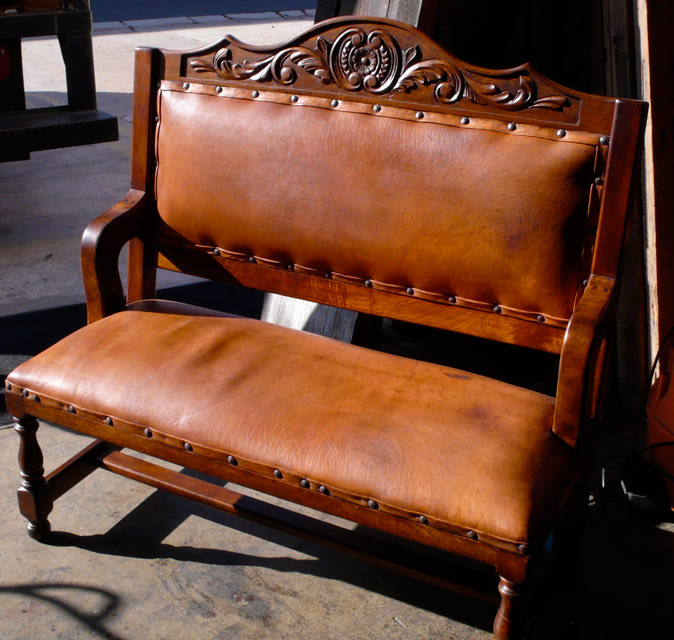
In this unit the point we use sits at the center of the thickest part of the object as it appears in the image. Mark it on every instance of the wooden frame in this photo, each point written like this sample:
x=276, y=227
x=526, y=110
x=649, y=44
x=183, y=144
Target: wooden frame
x=301, y=68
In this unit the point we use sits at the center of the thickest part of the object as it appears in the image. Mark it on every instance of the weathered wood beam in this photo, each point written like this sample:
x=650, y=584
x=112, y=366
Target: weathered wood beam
x=654, y=19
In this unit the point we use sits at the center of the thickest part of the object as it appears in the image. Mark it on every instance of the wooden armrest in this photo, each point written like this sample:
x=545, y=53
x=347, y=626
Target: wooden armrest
x=102, y=242
x=577, y=367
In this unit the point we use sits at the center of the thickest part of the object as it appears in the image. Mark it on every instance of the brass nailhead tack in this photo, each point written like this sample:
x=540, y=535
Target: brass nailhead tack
x=372, y=504
x=368, y=283
x=108, y=421
x=216, y=252
x=251, y=258
x=256, y=94
x=334, y=103
x=422, y=520
x=9, y=386
x=452, y=299
x=233, y=461
x=218, y=89
x=599, y=181
x=188, y=446
x=410, y=291
x=156, y=118
x=71, y=409
x=497, y=309
x=420, y=115
x=604, y=139
x=25, y=393
x=561, y=133
x=472, y=535
x=291, y=266
x=327, y=274
x=186, y=85
x=278, y=474
x=324, y=490
x=540, y=317
x=584, y=283
x=147, y=433
x=512, y=126
x=376, y=108
x=522, y=548
x=37, y=398
x=294, y=98
x=465, y=120
x=305, y=483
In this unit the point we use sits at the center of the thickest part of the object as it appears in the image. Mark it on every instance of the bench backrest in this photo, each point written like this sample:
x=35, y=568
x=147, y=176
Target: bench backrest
x=362, y=166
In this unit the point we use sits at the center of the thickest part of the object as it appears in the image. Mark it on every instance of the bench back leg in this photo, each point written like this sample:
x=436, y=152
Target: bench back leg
x=508, y=622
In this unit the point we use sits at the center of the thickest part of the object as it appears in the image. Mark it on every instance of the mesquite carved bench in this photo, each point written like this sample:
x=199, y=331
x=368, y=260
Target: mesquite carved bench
x=360, y=166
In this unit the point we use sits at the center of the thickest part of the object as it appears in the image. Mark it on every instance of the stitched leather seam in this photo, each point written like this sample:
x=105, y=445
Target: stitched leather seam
x=451, y=300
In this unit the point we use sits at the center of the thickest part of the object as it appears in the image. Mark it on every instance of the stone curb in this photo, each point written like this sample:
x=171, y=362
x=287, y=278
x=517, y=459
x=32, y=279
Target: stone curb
x=128, y=26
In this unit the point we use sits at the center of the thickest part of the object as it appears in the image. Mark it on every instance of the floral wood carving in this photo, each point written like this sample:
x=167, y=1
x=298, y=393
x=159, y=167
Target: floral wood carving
x=375, y=63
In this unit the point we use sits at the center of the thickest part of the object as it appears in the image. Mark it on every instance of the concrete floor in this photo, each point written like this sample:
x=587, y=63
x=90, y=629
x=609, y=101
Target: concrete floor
x=130, y=562
x=108, y=10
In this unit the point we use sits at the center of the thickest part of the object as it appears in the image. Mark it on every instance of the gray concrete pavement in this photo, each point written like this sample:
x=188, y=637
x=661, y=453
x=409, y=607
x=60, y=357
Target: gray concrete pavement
x=129, y=562
x=116, y=10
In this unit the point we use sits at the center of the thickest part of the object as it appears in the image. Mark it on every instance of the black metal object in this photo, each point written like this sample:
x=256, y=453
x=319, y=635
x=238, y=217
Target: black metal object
x=79, y=122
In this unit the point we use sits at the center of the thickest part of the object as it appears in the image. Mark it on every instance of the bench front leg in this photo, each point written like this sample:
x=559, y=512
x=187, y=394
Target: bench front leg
x=35, y=501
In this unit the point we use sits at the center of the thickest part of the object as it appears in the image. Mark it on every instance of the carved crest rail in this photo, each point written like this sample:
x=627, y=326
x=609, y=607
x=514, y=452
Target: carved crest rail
x=384, y=62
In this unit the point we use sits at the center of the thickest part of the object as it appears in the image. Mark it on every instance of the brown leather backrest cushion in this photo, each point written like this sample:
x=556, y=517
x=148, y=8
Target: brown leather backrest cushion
x=479, y=212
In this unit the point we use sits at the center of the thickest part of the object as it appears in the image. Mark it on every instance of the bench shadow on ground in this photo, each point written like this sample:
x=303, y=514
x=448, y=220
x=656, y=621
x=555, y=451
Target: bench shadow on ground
x=141, y=534
x=47, y=592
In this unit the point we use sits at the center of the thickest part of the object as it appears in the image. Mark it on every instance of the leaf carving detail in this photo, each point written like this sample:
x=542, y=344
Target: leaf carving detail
x=279, y=67
x=374, y=62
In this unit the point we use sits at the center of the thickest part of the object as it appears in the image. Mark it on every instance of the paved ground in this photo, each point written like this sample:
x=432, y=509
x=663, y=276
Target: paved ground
x=108, y=10
x=180, y=15
x=130, y=562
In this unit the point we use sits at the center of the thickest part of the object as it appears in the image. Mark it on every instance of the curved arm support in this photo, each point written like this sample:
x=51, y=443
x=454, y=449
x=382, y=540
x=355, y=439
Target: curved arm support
x=102, y=242
x=577, y=367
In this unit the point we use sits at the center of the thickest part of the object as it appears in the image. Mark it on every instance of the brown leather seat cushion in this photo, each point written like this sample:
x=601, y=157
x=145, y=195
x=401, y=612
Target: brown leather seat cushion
x=466, y=451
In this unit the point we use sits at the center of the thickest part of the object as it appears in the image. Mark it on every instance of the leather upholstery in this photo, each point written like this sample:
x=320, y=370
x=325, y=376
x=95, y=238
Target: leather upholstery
x=297, y=183
x=467, y=452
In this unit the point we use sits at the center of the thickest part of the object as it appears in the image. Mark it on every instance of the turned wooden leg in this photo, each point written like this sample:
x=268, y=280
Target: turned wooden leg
x=35, y=501
x=508, y=623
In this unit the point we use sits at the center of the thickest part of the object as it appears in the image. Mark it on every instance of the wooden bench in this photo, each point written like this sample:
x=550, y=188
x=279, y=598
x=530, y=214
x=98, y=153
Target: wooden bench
x=363, y=167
